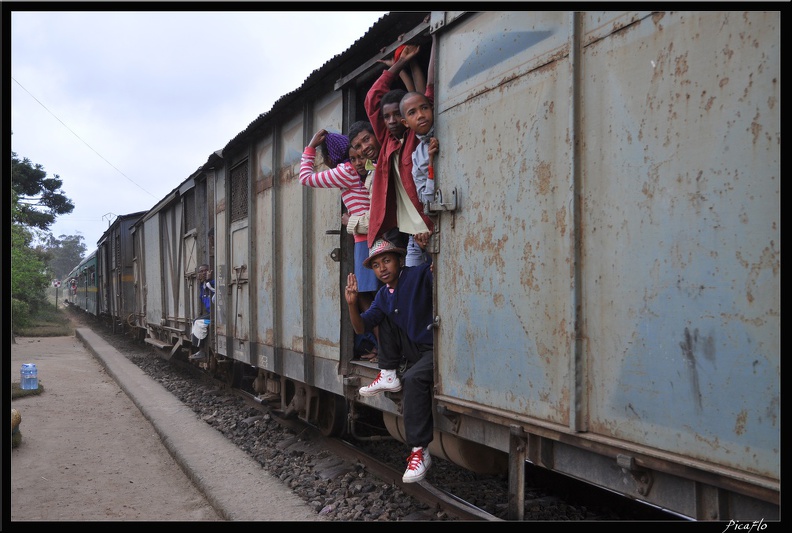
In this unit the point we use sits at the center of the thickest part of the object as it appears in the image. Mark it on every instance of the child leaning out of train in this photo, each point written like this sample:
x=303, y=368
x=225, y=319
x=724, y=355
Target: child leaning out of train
x=417, y=114
x=394, y=199
x=343, y=174
x=402, y=309
x=200, y=329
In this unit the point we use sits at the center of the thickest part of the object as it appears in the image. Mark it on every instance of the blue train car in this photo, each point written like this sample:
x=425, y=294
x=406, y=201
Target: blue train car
x=82, y=287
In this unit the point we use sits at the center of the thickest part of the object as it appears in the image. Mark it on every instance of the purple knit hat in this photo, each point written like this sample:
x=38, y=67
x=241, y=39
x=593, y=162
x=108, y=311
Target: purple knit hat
x=337, y=149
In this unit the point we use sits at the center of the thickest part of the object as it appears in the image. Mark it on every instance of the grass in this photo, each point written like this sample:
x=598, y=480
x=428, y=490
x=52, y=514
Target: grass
x=48, y=322
x=18, y=392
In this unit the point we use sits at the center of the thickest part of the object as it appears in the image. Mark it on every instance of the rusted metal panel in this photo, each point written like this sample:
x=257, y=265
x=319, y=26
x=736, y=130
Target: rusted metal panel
x=152, y=283
x=681, y=235
x=174, y=285
x=262, y=280
x=503, y=274
x=221, y=266
x=322, y=214
x=289, y=226
x=674, y=266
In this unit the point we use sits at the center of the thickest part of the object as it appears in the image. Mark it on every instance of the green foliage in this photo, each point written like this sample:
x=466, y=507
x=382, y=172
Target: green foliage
x=20, y=314
x=29, y=278
x=47, y=321
x=38, y=199
x=64, y=254
x=35, y=202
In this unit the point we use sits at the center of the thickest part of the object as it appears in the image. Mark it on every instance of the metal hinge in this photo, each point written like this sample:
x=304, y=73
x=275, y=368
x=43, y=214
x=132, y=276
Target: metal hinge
x=437, y=205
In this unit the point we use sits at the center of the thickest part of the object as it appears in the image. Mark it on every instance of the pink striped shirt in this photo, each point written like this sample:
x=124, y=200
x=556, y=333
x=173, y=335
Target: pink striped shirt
x=353, y=193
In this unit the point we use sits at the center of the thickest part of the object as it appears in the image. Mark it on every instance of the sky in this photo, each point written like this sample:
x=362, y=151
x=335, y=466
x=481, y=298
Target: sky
x=125, y=106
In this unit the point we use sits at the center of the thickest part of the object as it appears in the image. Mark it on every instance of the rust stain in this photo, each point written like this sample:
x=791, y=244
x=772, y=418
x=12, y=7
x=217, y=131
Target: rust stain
x=486, y=242
x=544, y=178
x=723, y=82
x=528, y=270
x=739, y=424
x=263, y=184
x=561, y=218
x=769, y=260
x=681, y=65
x=756, y=128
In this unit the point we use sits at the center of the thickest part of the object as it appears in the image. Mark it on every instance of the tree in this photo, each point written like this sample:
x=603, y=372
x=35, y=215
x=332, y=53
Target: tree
x=65, y=253
x=39, y=198
x=29, y=278
x=35, y=202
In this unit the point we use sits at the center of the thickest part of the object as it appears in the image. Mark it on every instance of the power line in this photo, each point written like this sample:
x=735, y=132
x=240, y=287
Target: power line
x=85, y=143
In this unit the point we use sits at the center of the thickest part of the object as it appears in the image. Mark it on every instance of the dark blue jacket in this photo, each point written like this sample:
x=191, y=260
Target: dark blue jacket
x=206, y=295
x=410, y=305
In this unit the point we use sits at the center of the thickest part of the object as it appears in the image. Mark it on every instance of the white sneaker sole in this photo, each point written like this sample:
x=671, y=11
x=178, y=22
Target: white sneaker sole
x=378, y=391
x=413, y=479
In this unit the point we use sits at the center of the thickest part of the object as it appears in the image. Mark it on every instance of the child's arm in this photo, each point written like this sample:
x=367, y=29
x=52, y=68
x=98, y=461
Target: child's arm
x=418, y=78
x=351, y=295
x=408, y=54
x=429, y=189
x=431, y=68
x=404, y=75
x=318, y=139
x=344, y=176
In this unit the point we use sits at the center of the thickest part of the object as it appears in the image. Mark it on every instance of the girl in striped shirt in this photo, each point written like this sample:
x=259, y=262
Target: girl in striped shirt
x=343, y=174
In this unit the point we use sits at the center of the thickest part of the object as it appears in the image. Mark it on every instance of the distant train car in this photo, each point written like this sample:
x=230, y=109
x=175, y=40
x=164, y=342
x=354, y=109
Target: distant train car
x=116, y=283
x=171, y=241
x=606, y=253
x=81, y=285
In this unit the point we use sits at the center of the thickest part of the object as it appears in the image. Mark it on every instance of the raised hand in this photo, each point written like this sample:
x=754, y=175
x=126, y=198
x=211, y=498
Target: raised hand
x=318, y=138
x=351, y=291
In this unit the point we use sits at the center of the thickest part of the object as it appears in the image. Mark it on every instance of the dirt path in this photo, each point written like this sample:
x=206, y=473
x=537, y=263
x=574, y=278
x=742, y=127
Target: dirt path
x=87, y=453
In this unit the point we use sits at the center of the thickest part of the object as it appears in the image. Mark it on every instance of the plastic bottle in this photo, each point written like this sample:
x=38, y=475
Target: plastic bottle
x=28, y=377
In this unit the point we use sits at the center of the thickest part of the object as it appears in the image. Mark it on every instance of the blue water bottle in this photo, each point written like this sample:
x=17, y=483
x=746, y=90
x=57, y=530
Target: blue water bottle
x=29, y=377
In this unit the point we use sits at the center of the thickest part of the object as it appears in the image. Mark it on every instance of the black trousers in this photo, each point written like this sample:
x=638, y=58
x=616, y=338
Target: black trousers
x=396, y=349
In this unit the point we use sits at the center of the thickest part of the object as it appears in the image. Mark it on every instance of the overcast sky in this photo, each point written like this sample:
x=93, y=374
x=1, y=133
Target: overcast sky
x=125, y=106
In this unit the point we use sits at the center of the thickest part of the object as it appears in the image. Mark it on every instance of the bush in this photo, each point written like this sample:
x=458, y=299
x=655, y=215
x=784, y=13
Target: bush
x=20, y=315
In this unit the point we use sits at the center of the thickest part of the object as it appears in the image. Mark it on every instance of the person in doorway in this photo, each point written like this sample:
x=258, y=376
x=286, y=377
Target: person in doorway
x=344, y=173
x=394, y=199
x=200, y=329
x=403, y=311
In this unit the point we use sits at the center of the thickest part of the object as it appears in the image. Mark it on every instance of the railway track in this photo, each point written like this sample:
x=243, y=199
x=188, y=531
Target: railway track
x=368, y=471
x=426, y=492
x=469, y=497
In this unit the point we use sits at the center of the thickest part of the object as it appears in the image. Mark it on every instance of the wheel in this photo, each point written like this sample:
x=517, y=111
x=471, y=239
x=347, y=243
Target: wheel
x=332, y=415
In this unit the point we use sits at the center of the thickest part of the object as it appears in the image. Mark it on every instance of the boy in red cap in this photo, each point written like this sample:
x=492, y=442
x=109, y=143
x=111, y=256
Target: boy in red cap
x=403, y=310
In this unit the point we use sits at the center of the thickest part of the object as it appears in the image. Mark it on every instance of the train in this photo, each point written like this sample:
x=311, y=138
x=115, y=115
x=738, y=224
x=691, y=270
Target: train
x=606, y=253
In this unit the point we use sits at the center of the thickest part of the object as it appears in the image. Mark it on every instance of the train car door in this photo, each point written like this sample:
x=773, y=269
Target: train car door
x=237, y=316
